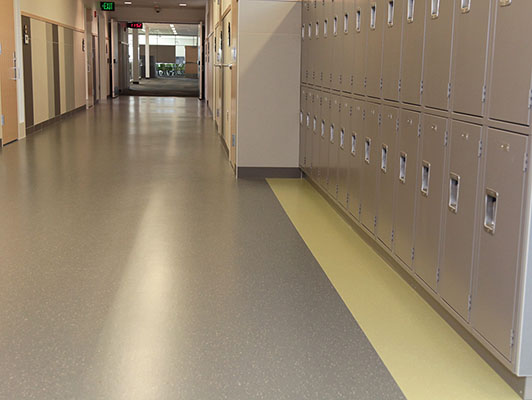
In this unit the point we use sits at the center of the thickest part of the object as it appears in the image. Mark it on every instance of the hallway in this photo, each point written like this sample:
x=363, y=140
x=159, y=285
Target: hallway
x=134, y=266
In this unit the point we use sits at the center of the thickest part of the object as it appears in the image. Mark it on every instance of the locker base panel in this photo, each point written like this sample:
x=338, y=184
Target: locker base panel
x=484, y=377
x=268, y=172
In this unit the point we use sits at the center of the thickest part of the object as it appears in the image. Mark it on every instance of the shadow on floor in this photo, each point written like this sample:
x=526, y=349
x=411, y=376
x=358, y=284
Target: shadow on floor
x=165, y=87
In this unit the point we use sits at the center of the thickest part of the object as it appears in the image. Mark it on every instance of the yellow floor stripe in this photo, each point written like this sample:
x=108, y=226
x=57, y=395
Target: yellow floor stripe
x=426, y=357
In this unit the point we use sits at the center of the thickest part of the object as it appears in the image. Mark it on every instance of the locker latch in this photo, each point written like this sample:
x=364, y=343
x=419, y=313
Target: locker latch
x=438, y=275
x=449, y=90
x=484, y=94
x=421, y=87
x=469, y=301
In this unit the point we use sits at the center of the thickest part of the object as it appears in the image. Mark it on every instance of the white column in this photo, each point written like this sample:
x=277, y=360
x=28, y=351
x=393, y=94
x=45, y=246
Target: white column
x=147, y=53
x=136, y=74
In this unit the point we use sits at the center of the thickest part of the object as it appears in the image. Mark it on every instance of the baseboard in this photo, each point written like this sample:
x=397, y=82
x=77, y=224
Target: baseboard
x=42, y=125
x=267, y=172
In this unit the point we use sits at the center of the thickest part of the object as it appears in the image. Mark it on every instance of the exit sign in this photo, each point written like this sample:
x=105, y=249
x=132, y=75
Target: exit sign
x=134, y=25
x=107, y=5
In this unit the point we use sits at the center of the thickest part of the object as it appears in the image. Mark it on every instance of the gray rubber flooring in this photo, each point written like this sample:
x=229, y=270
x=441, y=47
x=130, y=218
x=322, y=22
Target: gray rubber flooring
x=160, y=87
x=134, y=266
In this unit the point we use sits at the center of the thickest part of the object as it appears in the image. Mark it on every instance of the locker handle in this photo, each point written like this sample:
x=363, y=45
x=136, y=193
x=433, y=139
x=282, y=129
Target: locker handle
x=335, y=26
x=303, y=32
x=454, y=192
x=358, y=21
x=465, y=6
x=309, y=31
x=384, y=158
x=425, y=178
x=331, y=134
x=402, y=167
x=308, y=120
x=410, y=11
x=353, y=144
x=346, y=23
x=391, y=7
x=490, y=217
x=367, y=150
x=505, y=3
x=322, y=129
x=373, y=16
x=435, y=9
x=342, y=139
x=325, y=28
x=314, y=124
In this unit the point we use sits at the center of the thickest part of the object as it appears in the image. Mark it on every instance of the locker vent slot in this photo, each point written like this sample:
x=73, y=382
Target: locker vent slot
x=454, y=192
x=384, y=158
x=435, y=9
x=367, y=150
x=335, y=26
x=332, y=134
x=410, y=11
x=391, y=7
x=373, y=16
x=346, y=23
x=465, y=6
x=402, y=167
x=322, y=129
x=353, y=144
x=342, y=138
x=490, y=218
x=325, y=28
x=358, y=20
x=425, y=178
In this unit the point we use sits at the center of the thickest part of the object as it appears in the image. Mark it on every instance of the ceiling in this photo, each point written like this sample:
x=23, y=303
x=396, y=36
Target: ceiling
x=166, y=29
x=164, y=3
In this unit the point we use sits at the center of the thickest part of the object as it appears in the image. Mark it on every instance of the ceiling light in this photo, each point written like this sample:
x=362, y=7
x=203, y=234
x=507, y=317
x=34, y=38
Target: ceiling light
x=127, y=2
x=182, y=5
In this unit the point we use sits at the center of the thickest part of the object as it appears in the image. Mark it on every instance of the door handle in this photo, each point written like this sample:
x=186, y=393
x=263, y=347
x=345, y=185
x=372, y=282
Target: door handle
x=15, y=74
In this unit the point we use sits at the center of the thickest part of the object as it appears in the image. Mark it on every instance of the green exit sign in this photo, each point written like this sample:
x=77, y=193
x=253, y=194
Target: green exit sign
x=107, y=5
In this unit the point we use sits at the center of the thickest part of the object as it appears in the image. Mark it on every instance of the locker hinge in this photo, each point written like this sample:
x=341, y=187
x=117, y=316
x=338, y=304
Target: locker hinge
x=525, y=163
x=421, y=87
x=397, y=125
x=380, y=119
x=3, y=120
x=375, y=222
x=484, y=93
x=399, y=85
x=347, y=199
x=469, y=299
x=530, y=99
x=352, y=81
x=321, y=76
x=393, y=235
x=381, y=83
x=419, y=130
x=364, y=114
x=438, y=275
x=413, y=253
x=480, y=148
x=336, y=190
x=359, y=210
x=512, y=338
x=446, y=139
x=449, y=90
x=330, y=78
x=233, y=141
x=365, y=82
x=340, y=79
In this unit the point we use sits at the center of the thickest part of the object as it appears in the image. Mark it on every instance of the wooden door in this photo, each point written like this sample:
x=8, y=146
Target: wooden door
x=8, y=73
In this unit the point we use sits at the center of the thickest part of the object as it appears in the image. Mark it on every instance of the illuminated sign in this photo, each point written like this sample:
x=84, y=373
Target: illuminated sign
x=107, y=5
x=134, y=25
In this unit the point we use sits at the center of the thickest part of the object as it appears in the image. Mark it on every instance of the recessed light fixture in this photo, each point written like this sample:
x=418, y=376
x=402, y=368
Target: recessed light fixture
x=182, y=4
x=127, y=2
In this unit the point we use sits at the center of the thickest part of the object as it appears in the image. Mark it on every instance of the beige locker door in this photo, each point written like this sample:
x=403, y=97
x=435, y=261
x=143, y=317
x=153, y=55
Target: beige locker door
x=317, y=129
x=388, y=179
x=348, y=58
x=499, y=229
x=470, y=47
x=412, y=51
x=313, y=41
x=361, y=25
x=429, y=198
x=392, y=42
x=344, y=155
x=355, y=160
x=406, y=173
x=218, y=78
x=376, y=15
x=324, y=139
x=327, y=45
x=304, y=124
x=371, y=158
x=338, y=45
x=460, y=211
x=334, y=141
x=311, y=131
x=232, y=56
x=437, y=64
x=305, y=41
x=510, y=91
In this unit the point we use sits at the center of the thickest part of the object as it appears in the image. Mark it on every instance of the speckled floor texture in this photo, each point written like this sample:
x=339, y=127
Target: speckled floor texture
x=134, y=266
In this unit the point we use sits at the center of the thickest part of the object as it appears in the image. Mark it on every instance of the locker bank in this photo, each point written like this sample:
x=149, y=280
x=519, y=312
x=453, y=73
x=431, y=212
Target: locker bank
x=255, y=199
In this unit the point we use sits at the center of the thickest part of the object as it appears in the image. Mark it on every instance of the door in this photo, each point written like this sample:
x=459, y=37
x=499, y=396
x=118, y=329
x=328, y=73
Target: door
x=8, y=74
x=412, y=51
x=470, y=46
x=391, y=53
x=356, y=148
x=374, y=49
x=499, y=229
x=327, y=44
x=227, y=83
x=304, y=125
x=326, y=106
x=89, y=54
x=361, y=23
x=437, y=64
x=387, y=179
x=219, y=78
x=406, y=175
x=338, y=44
x=233, y=61
x=460, y=212
x=305, y=41
x=318, y=126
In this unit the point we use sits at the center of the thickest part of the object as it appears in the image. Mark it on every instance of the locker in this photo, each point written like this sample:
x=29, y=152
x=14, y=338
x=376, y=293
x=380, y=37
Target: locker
x=324, y=140
x=338, y=42
x=374, y=48
x=461, y=179
x=510, y=91
x=316, y=129
x=406, y=173
x=327, y=44
x=370, y=144
x=412, y=51
x=471, y=36
x=344, y=151
x=334, y=138
x=355, y=160
x=360, y=23
x=304, y=122
x=429, y=198
x=315, y=42
x=348, y=44
x=499, y=230
x=437, y=64
x=310, y=131
x=387, y=180
x=305, y=42
x=392, y=42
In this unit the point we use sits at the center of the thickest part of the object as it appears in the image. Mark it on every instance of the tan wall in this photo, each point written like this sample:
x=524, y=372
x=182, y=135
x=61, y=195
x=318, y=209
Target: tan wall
x=268, y=87
x=174, y=15
x=66, y=12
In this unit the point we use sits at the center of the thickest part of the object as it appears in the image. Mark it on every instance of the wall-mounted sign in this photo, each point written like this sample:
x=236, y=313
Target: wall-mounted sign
x=134, y=25
x=107, y=5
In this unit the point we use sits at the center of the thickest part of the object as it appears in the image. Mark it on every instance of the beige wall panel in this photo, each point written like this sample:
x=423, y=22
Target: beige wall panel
x=67, y=12
x=1, y=108
x=62, y=70
x=50, y=70
x=40, y=71
x=79, y=70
